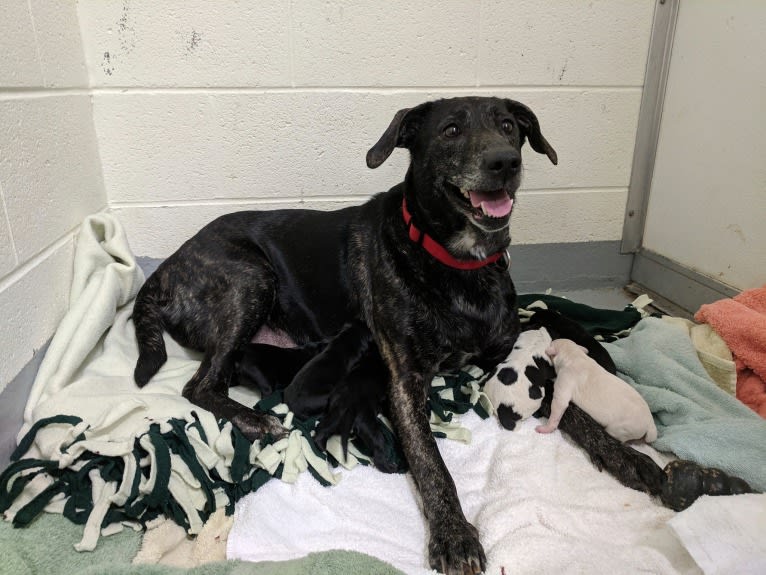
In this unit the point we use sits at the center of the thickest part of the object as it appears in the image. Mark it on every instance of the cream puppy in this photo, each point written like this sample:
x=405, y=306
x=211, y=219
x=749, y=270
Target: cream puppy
x=605, y=397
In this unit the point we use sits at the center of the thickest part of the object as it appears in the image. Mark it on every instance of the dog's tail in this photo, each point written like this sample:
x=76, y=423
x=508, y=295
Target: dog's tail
x=147, y=318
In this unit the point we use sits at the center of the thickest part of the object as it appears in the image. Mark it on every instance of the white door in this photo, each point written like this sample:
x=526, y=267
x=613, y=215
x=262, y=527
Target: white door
x=706, y=212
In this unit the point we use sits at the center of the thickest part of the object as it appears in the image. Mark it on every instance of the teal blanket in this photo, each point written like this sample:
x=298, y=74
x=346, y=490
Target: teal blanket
x=695, y=419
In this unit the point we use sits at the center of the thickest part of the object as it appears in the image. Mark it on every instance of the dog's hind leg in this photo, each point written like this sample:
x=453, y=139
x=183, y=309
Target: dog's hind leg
x=208, y=389
x=232, y=313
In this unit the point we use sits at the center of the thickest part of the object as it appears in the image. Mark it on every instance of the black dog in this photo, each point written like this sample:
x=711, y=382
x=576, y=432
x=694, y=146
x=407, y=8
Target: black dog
x=354, y=405
x=559, y=327
x=267, y=368
x=308, y=393
x=343, y=381
x=421, y=265
x=345, y=384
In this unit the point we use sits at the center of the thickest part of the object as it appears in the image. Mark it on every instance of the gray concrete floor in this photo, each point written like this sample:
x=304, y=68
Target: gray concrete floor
x=618, y=298
x=604, y=298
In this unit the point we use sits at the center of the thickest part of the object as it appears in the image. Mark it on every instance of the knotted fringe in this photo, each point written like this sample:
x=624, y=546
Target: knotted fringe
x=176, y=470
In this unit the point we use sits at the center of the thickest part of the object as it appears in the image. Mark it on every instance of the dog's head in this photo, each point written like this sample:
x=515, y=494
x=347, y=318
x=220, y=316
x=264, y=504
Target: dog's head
x=565, y=350
x=466, y=156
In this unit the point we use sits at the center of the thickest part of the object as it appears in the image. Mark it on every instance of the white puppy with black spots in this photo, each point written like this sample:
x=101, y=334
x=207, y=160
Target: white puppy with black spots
x=605, y=397
x=517, y=386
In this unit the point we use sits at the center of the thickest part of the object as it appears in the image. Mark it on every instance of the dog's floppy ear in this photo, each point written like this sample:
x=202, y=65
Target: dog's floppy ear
x=531, y=129
x=399, y=134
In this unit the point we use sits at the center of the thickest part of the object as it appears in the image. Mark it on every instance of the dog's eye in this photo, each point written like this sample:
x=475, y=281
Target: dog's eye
x=451, y=131
x=507, y=126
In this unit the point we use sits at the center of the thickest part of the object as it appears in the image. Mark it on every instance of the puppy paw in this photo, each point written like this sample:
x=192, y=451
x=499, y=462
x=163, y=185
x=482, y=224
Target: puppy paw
x=255, y=426
x=385, y=465
x=456, y=550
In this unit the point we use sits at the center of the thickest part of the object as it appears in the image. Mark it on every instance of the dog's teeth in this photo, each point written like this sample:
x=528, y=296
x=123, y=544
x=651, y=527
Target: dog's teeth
x=484, y=209
x=465, y=193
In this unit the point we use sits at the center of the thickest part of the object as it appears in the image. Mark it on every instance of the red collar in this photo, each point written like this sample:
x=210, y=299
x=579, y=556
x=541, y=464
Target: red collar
x=439, y=252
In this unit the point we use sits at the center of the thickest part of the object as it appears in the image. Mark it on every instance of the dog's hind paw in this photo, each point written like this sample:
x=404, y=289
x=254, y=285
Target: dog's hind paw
x=255, y=426
x=685, y=481
x=456, y=550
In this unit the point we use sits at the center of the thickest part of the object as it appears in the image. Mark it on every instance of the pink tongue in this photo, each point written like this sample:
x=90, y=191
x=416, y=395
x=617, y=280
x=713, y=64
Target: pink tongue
x=494, y=206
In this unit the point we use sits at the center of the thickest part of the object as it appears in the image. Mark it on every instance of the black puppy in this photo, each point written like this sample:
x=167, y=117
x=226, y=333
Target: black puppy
x=353, y=409
x=341, y=381
x=308, y=393
x=560, y=327
x=420, y=265
x=267, y=368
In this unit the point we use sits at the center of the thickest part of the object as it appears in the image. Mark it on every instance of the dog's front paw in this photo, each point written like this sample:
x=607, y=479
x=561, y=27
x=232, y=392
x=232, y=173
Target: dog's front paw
x=456, y=550
x=255, y=426
x=685, y=481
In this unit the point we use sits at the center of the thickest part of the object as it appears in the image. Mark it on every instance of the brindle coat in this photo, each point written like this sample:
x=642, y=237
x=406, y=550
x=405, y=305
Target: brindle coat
x=307, y=273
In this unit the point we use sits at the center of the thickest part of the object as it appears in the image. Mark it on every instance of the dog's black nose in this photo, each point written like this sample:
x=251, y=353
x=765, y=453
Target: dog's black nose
x=502, y=161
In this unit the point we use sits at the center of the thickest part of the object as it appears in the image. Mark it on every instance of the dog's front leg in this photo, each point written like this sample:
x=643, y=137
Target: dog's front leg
x=630, y=467
x=454, y=546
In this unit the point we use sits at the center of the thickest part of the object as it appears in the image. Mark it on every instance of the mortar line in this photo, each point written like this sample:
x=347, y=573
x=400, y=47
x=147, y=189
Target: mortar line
x=366, y=89
x=33, y=262
x=236, y=201
x=28, y=93
x=322, y=199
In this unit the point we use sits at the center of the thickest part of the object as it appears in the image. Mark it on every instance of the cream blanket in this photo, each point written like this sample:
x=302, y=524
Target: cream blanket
x=104, y=452
x=123, y=455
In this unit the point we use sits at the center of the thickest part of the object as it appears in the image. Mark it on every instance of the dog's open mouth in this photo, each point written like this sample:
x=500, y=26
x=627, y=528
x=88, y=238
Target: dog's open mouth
x=489, y=204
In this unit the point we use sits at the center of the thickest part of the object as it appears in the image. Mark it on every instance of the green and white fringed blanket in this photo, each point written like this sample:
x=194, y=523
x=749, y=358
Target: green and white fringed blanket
x=106, y=454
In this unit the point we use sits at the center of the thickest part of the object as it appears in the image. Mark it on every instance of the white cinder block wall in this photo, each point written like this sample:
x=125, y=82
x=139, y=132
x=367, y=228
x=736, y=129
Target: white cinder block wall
x=202, y=107
x=50, y=172
x=172, y=113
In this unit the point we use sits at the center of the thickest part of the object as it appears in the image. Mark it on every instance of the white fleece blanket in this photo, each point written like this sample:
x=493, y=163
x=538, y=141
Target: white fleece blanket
x=725, y=534
x=99, y=449
x=86, y=375
x=539, y=504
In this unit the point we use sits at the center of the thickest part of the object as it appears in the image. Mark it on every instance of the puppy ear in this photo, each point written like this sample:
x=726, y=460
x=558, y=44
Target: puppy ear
x=551, y=351
x=531, y=129
x=399, y=134
x=584, y=349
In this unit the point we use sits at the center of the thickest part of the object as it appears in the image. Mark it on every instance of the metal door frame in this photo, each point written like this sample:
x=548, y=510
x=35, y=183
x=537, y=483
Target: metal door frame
x=654, y=272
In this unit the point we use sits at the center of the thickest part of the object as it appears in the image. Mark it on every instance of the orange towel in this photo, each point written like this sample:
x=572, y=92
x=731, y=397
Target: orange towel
x=741, y=322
